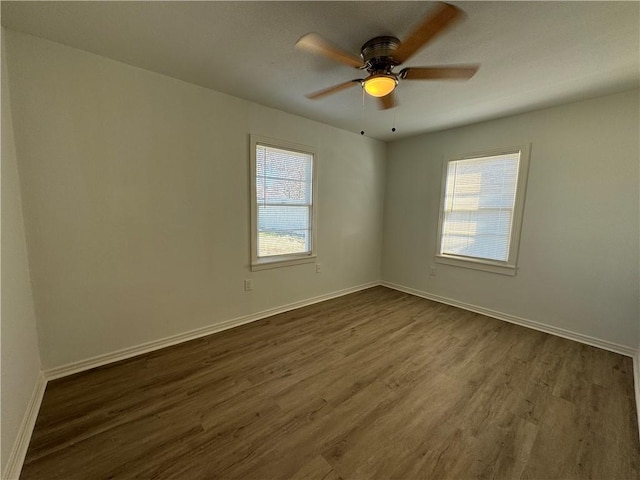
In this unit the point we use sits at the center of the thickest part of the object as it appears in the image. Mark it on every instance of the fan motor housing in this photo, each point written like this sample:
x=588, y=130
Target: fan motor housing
x=377, y=54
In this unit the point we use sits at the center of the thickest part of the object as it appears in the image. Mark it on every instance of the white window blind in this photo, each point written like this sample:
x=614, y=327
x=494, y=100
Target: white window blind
x=478, y=211
x=284, y=196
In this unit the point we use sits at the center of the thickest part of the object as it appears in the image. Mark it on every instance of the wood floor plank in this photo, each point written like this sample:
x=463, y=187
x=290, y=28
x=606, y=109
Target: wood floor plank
x=376, y=384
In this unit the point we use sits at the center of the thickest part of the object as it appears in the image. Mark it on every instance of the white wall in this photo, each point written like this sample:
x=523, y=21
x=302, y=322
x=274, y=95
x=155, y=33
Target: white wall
x=578, y=265
x=20, y=355
x=136, y=199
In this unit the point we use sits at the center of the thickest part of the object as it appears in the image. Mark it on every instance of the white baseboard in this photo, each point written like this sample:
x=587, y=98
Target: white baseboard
x=560, y=332
x=100, y=360
x=21, y=444
x=636, y=385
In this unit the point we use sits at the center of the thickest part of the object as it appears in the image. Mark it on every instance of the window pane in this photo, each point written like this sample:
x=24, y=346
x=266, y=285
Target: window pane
x=283, y=229
x=482, y=234
x=478, y=207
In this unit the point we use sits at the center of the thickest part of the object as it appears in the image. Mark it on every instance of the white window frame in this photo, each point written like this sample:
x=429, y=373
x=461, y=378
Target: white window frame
x=510, y=266
x=263, y=263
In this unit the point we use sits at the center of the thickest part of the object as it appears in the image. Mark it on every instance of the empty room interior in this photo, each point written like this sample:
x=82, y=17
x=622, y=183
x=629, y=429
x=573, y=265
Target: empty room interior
x=320, y=240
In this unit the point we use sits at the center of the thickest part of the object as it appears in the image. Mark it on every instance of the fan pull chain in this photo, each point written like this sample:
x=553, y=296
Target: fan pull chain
x=362, y=121
x=393, y=127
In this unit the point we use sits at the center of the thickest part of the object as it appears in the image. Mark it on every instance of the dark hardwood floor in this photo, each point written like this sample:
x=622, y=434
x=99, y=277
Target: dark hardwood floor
x=374, y=385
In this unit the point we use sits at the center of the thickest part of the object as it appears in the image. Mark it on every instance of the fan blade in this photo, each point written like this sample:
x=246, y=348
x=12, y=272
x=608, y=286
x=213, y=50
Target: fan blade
x=460, y=72
x=314, y=43
x=429, y=28
x=388, y=101
x=334, y=89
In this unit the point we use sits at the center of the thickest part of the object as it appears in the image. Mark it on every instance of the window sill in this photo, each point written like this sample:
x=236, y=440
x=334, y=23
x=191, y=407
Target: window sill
x=477, y=264
x=267, y=263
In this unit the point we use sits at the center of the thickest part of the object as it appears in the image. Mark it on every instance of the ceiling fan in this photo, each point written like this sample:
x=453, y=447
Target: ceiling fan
x=380, y=55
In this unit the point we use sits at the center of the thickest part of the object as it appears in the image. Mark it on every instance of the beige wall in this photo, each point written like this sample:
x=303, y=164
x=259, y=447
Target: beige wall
x=20, y=355
x=578, y=266
x=136, y=199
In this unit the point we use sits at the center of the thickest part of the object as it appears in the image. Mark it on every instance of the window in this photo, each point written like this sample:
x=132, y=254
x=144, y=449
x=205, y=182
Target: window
x=283, y=188
x=481, y=210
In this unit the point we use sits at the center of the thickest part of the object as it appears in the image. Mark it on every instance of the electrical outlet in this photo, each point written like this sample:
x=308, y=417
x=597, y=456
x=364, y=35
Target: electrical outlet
x=318, y=268
x=248, y=285
x=432, y=272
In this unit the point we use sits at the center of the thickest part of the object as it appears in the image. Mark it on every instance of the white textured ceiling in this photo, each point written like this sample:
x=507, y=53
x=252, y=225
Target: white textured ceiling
x=532, y=54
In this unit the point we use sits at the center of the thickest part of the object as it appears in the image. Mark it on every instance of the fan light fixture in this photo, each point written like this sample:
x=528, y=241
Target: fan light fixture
x=380, y=55
x=380, y=85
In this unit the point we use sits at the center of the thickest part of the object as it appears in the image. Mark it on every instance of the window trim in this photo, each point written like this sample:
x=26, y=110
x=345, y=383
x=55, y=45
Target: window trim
x=509, y=267
x=287, y=259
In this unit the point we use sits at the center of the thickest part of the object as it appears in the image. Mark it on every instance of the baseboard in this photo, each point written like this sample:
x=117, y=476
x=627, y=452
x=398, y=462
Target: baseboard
x=560, y=332
x=636, y=385
x=100, y=360
x=21, y=444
